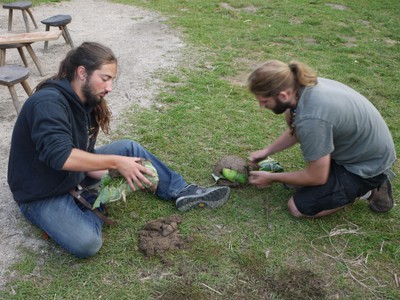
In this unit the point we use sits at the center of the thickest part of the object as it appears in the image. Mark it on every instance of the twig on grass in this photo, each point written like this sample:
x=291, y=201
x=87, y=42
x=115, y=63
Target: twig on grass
x=380, y=251
x=345, y=229
x=215, y=291
x=267, y=209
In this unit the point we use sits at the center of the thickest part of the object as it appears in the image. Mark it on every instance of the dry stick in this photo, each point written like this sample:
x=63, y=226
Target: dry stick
x=212, y=289
x=339, y=258
x=396, y=280
x=380, y=251
x=267, y=210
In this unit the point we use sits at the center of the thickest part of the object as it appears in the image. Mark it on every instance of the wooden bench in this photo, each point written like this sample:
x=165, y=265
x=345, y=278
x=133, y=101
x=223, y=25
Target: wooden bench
x=10, y=76
x=19, y=40
x=25, y=8
x=60, y=21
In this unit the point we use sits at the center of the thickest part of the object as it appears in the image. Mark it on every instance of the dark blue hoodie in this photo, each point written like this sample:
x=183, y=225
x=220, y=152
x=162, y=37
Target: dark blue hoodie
x=51, y=123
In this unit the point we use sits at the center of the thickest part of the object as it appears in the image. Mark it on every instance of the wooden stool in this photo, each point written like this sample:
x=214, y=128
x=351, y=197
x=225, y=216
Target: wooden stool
x=19, y=46
x=20, y=49
x=61, y=22
x=24, y=7
x=10, y=76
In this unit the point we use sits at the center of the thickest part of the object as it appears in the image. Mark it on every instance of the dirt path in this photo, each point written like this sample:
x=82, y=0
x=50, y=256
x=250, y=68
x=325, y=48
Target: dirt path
x=143, y=45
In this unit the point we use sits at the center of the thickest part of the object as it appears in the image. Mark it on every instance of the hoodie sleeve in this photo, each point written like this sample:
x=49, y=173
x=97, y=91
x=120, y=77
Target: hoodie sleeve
x=51, y=129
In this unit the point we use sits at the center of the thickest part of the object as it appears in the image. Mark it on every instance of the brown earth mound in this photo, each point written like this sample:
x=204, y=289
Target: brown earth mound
x=161, y=235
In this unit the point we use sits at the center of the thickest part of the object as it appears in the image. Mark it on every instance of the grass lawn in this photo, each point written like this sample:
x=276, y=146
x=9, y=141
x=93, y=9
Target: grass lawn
x=207, y=113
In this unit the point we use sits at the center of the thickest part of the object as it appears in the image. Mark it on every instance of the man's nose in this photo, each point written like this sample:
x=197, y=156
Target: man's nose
x=109, y=86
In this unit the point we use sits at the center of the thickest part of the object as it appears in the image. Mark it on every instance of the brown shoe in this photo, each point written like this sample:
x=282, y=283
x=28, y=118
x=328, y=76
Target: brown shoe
x=381, y=199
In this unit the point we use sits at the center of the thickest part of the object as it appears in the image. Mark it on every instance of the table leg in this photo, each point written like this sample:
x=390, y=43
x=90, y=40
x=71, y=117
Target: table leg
x=22, y=54
x=34, y=58
x=3, y=57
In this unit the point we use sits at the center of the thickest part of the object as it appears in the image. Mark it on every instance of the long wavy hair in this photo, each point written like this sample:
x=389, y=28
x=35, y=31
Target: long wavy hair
x=275, y=76
x=92, y=56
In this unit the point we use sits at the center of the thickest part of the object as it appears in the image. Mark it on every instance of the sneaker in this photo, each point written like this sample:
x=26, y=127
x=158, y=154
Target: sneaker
x=381, y=199
x=366, y=196
x=194, y=196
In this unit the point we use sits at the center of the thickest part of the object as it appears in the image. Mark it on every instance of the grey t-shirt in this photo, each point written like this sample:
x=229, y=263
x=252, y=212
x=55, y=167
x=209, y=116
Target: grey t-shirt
x=331, y=118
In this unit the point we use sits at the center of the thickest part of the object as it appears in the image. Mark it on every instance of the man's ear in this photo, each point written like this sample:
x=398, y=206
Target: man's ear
x=283, y=96
x=81, y=73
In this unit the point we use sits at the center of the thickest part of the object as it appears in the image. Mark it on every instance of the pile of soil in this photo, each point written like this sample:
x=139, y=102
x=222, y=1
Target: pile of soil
x=161, y=235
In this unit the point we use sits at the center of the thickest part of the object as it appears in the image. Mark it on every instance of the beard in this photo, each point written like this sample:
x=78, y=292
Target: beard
x=91, y=99
x=280, y=107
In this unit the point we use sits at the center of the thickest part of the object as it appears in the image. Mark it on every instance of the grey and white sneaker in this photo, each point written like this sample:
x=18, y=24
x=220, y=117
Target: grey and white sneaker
x=194, y=196
x=381, y=199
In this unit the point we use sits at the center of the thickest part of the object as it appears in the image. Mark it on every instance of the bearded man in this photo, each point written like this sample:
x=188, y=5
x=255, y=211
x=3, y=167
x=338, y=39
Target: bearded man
x=345, y=142
x=53, y=154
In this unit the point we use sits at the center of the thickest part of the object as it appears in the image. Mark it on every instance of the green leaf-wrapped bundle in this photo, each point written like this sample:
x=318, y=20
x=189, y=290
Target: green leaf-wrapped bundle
x=270, y=165
x=115, y=187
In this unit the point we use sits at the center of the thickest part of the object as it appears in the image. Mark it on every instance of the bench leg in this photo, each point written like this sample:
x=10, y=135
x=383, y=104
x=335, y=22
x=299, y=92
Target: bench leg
x=14, y=98
x=26, y=20
x=46, y=43
x=10, y=18
x=32, y=18
x=66, y=32
x=34, y=58
x=63, y=33
x=26, y=87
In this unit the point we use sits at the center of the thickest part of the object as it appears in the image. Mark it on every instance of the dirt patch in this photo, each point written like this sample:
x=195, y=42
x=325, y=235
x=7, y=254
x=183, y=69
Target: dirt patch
x=350, y=41
x=249, y=8
x=311, y=41
x=161, y=235
x=391, y=42
x=337, y=6
x=143, y=44
x=245, y=67
x=295, y=21
x=294, y=283
x=289, y=283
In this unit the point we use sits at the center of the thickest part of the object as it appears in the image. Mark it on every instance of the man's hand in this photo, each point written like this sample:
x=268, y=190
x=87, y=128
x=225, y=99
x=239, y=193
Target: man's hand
x=316, y=173
x=133, y=171
x=258, y=155
x=261, y=179
x=94, y=164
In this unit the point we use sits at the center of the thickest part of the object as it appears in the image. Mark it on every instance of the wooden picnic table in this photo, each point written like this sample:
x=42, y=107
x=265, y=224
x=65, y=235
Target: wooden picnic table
x=29, y=37
x=18, y=40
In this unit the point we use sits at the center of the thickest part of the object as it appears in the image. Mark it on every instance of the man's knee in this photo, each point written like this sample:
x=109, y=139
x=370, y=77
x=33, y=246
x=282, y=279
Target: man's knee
x=293, y=209
x=87, y=247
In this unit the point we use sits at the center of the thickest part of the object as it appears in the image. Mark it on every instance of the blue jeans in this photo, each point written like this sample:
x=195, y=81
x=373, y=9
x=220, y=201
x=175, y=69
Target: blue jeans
x=77, y=229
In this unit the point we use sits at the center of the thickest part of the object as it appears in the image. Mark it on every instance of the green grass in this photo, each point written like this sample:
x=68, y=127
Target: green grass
x=353, y=254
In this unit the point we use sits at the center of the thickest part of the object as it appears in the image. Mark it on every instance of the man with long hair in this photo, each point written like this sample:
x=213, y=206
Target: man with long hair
x=53, y=154
x=344, y=140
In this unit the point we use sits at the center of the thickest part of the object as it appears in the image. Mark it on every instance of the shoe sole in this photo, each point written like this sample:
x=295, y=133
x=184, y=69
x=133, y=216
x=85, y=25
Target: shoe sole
x=212, y=199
